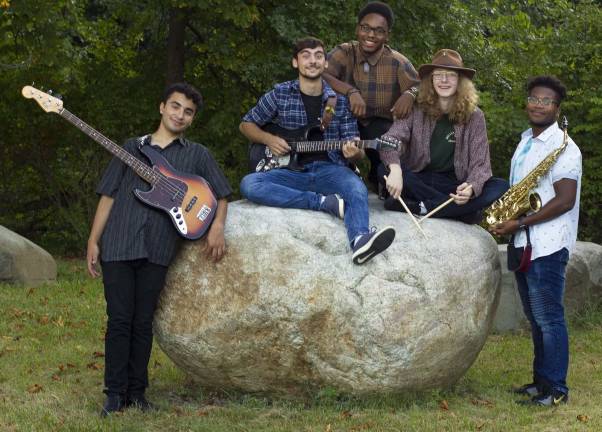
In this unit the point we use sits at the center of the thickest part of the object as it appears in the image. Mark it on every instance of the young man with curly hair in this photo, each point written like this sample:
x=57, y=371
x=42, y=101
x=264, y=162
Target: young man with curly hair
x=445, y=152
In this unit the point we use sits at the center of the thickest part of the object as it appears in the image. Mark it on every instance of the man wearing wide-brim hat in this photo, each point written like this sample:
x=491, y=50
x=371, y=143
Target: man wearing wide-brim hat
x=444, y=152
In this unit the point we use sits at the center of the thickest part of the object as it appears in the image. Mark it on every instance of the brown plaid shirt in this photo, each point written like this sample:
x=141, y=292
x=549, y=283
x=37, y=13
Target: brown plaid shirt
x=381, y=78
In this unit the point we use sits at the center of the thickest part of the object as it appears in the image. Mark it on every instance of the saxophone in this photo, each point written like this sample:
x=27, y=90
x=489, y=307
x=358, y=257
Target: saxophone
x=519, y=199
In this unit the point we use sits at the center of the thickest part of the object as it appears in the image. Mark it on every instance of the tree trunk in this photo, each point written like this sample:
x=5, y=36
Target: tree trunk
x=175, y=45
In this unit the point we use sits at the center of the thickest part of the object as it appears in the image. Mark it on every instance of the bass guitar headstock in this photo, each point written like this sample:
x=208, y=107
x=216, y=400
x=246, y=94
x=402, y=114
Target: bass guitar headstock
x=47, y=102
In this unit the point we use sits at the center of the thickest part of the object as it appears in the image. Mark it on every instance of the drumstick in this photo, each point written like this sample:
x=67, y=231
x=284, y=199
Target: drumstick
x=410, y=213
x=435, y=210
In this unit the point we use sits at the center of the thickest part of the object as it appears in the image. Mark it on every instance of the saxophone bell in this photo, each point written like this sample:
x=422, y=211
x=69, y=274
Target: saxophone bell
x=534, y=202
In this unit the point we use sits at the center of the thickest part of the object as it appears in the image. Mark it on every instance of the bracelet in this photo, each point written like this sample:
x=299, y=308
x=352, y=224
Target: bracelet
x=521, y=223
x=351, y=91
x=413, y=91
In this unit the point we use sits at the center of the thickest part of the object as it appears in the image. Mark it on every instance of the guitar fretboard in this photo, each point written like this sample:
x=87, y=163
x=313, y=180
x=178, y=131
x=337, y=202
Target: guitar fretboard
x=320, y=146
x=142, y=169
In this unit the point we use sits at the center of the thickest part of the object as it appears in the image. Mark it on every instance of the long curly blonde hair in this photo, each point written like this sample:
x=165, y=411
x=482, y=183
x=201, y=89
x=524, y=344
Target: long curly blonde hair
x=464, y=104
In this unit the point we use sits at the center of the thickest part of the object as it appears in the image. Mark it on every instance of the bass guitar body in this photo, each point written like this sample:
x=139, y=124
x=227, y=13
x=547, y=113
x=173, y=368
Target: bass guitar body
x=187, y=198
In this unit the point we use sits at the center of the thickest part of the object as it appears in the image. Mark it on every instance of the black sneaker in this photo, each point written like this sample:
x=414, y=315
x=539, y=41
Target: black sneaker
x=334, y=205
x=140, y=402
x=530, y=389
x=547, y=399
x=371, y=244
x=394, y=205
x=472, y=218
x=113, y=403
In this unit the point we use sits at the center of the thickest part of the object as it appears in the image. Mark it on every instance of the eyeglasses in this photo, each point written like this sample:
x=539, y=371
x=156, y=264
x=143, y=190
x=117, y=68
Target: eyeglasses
x=543, y=101
x=441, y=76
x=378, y=31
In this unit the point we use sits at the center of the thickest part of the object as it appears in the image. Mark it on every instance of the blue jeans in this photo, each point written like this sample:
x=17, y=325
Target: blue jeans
x=433, y=188
x=541, y=291
x=303, y=190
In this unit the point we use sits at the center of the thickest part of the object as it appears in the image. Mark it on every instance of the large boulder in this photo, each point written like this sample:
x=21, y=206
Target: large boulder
x=287, y=310
x=24, y=262
x=583, y=287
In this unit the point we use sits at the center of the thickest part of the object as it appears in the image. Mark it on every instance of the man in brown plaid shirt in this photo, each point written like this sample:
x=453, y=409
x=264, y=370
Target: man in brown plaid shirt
x=379, y=81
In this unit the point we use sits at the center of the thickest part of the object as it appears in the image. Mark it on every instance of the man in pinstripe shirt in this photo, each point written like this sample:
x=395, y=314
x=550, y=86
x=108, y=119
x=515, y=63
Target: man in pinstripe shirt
x=138, y=243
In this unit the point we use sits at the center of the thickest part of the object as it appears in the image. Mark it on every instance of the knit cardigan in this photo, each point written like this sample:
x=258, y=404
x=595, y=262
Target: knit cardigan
x=471, y=156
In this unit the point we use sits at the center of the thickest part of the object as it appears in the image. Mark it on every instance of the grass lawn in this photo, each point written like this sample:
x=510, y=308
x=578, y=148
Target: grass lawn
x=51, y=373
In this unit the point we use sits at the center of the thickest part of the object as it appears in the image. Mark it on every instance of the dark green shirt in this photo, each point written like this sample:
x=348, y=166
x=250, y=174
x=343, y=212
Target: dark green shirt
x=443, y=145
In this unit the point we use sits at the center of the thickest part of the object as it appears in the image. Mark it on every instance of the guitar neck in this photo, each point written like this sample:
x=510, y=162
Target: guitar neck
x=142, y=169
x=320, y=146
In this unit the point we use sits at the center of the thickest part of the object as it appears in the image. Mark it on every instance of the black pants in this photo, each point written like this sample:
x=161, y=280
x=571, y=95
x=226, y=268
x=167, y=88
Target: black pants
x=132, y=290
x=375, y=127
x=434, y=188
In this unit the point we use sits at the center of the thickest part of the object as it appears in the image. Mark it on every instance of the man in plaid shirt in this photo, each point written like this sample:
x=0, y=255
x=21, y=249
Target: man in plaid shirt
x=327, y=183
x=381, y=83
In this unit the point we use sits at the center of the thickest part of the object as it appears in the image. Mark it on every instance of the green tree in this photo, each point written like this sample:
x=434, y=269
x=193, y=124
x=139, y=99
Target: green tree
x=111, y=59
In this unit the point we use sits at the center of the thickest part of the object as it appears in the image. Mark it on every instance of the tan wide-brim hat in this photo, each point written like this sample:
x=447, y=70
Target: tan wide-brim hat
x=446, y=59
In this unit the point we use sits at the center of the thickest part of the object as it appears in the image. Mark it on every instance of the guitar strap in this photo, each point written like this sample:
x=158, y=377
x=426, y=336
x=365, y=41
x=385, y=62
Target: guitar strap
x=328, y=113
x=141, y=140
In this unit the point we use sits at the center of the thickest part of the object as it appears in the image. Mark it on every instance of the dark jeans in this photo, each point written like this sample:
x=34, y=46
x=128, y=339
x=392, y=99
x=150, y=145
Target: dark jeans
x=375, y=127
x=541, y=291
x=434, y=188
x=132, y=290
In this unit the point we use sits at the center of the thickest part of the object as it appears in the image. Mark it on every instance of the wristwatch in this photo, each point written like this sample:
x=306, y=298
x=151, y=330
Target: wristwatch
x=521, y=222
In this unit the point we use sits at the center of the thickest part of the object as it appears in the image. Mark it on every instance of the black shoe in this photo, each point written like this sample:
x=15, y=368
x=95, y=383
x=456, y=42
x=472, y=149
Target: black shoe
x=547, y=399
x=472, y=218
x=334, y=205
x=394, y=205
x=530, y=389
x=383, y=193
x=371, y=244
x=113, y=403
x=140, y=402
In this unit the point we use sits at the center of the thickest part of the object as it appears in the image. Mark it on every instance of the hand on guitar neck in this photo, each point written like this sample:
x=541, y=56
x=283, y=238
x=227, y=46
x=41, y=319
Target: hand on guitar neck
x=352, y=152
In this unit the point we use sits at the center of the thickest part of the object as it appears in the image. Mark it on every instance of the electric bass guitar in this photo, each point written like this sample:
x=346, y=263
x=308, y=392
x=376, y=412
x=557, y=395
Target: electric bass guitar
x=186, y=198
x=261, y=157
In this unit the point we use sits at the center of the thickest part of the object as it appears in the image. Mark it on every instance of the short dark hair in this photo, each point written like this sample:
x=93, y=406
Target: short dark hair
x=187, y=90
x=307, y=42
x=379, y=8
x=550, y=82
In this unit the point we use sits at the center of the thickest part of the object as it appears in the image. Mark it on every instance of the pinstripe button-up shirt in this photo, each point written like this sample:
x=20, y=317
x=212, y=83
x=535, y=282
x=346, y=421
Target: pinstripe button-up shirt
x=135, y=230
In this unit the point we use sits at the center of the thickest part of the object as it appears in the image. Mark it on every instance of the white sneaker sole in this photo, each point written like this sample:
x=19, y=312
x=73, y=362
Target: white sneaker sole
x=377, y=244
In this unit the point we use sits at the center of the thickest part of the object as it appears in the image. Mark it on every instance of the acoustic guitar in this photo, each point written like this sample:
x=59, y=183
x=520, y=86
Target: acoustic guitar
x=186, y=198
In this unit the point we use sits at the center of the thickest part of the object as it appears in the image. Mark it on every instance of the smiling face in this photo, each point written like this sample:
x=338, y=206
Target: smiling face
x=372, y=33
x=310, y=62
x=177, y=113
x=541, y=115
x=445, y=82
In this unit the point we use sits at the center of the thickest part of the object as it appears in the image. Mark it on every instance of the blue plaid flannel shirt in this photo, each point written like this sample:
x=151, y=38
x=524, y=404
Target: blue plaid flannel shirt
x=283, y=105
